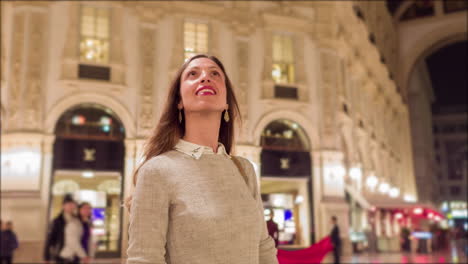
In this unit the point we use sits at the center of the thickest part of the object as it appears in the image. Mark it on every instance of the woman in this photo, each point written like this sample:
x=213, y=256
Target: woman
x=85, y=211
x=191, y=202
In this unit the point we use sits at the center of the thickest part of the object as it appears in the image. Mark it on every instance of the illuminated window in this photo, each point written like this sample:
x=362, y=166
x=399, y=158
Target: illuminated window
x=195, y=39
x=94, y=34
x=283, y=59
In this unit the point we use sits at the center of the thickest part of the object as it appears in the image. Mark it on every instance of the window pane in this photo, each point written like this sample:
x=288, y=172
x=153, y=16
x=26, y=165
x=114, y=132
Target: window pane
x=291, y=73
x=102, y=30
x=87, y=21
x=276, y=73
x=283, y=59
x=277, y=48
x=195, y=38
x=288, y=50
x=94, y=42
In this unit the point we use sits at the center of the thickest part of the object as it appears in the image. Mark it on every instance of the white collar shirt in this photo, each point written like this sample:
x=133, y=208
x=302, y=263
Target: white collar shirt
x=196, y=151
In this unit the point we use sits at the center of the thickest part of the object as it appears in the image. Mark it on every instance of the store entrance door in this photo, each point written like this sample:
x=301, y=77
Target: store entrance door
x=288, y=199
x=88, y=165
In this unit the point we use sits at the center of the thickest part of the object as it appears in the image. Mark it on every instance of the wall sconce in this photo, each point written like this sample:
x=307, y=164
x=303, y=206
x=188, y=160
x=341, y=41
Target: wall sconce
x=339, y=171
x=355, y=173
x=384, y=187
x=372, y=181
x=394, y=192
x=409, y=198
x=87, y=174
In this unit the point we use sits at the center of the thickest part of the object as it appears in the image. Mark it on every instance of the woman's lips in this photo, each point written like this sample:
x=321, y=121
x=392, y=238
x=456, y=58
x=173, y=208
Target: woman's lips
x=205, y=90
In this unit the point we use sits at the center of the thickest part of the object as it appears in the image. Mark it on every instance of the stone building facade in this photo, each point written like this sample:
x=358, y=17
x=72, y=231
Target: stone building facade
x=339, y=98
x=450, y=129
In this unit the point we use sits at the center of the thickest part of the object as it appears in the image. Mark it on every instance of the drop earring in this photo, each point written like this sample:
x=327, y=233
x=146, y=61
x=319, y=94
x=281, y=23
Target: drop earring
x=180, y=116
x=226, y=116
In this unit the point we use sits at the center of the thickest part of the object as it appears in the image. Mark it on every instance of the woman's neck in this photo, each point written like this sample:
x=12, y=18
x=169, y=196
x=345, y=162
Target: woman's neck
x=202, y=128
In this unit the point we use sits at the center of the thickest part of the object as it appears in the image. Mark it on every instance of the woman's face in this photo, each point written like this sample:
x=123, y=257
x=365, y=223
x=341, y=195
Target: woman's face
x=203, y=87
x=85, y=211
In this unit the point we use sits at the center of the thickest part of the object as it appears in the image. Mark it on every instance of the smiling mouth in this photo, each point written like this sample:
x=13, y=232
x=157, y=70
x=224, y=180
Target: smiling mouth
x=205, y=90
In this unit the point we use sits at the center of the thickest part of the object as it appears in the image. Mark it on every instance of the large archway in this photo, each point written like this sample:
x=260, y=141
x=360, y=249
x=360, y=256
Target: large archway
x=286, y=182
x=88, y=158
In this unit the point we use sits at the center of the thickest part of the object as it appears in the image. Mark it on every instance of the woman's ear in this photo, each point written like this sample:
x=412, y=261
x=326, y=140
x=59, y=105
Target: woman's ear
x=180, y=106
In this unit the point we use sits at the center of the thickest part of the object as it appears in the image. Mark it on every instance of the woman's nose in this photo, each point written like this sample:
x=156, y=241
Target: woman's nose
x=205, y=77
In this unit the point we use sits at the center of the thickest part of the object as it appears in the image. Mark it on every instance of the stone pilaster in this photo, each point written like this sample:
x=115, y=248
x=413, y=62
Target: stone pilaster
x=267, y=79
x=147, y=55
x=241, y=89
x=329, y=70
x=71, y=54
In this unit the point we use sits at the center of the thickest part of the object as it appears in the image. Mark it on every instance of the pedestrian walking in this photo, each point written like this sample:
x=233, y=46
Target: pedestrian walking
x=336, y=240
x=194, y=202
x=8, y=243
x=272, y=227
x=63, y=243
x=87, y=241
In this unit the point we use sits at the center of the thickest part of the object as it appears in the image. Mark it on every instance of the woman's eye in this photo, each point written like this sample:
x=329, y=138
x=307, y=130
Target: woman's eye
x=216, y=73
x=192, y=73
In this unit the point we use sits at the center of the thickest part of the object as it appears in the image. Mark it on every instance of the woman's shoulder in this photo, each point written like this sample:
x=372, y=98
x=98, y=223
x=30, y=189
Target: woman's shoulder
x=162, y=160
x=246, y=164
x=164, y=163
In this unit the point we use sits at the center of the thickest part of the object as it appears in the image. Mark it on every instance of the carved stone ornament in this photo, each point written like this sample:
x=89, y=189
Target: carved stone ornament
x=147, y=44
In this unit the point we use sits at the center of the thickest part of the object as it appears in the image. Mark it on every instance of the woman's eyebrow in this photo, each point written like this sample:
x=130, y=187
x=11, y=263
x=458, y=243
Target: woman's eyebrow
x=197, y=67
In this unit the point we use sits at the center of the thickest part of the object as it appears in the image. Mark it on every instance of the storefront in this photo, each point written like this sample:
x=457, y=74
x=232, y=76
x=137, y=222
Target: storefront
x=88, y=164
x=456, y=213
x=286, y=182
x=407, y=227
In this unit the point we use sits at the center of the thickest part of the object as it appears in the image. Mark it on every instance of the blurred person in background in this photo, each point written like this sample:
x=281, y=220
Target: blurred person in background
x=336, y=240
x=87, y=241
x=8, y=243
x=272, y=227
x=63, y=243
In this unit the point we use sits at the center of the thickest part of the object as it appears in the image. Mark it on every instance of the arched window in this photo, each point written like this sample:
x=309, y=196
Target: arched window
x=284, y=135
x=90, y=121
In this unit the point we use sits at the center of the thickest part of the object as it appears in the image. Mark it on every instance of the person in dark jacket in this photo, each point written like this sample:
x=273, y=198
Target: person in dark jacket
x=85, y=214
x=272, y=227
x=336, y=240
x=56, y=236
x=8, y=243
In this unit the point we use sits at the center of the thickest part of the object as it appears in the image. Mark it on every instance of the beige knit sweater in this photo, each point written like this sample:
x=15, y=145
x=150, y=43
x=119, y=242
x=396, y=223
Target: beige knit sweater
x=192, y=206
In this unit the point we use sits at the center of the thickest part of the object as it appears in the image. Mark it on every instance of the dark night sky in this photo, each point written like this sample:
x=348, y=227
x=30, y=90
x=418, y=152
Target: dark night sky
x=448, y=70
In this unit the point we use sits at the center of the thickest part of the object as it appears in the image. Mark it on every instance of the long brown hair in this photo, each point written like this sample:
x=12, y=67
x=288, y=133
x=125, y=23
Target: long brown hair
x=169, y=130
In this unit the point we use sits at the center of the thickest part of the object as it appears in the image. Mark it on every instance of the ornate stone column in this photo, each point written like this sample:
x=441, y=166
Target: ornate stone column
x=267, y=79
x=28, y=54
x=147, y=55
